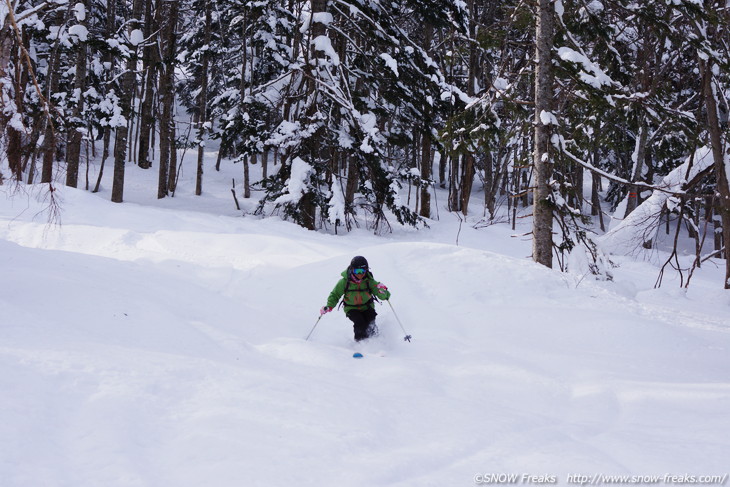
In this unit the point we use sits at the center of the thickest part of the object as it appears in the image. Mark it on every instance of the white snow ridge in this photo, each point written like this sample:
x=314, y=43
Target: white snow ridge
x=150, y=344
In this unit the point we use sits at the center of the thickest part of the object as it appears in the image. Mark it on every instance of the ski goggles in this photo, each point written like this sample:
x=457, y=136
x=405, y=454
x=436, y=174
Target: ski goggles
x=359, y=271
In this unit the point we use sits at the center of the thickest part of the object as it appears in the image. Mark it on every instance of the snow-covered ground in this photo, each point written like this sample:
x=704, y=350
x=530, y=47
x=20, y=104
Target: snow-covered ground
x=161, y=344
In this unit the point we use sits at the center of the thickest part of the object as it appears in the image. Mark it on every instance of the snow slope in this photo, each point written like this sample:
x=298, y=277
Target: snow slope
x=150, y=344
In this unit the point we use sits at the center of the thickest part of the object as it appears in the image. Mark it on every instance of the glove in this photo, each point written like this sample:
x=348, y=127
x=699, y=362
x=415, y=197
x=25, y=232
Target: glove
x=324, y=310
x=382, y=286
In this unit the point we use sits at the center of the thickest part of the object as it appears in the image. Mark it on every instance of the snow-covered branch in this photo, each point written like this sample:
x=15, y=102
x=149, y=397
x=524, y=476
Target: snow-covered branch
x=669, y=188
x=641, y=224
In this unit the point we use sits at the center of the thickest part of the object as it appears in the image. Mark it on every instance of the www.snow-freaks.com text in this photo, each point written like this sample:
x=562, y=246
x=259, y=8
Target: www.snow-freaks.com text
x=598, y=479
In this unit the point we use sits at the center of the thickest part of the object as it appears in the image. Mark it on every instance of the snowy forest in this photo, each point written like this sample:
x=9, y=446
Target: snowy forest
x=356, y=110
x=541, y=186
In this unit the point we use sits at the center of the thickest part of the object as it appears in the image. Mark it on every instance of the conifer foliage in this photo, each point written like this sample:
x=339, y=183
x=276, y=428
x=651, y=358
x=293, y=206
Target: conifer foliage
x=357, y=109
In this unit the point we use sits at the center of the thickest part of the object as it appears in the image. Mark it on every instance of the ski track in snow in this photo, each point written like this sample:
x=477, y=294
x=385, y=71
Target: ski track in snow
x=153, y=346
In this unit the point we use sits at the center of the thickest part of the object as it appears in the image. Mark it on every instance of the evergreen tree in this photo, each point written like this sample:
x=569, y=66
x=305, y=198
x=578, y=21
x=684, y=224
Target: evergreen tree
x=348, y=94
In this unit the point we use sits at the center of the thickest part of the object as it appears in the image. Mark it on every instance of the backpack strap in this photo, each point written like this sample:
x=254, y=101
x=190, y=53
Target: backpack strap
x=347, y=285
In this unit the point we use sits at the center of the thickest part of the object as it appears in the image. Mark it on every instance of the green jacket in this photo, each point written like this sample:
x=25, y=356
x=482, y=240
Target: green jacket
x=359, y=296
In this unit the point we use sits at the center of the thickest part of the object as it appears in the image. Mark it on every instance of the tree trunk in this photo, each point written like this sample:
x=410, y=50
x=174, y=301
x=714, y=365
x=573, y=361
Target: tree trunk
x=104, y=157
x=246, y=179
x=203, y=102
x=150, y=60
x=135, y=23
x=467, y=180
x=578, y=176
x=221, y=151
x=443, y=160
x=49, y=152
x=426, y=162
x=426, y=172
x=313, y=148
x=15, y=137
x=649, y=55
x=638, y=158
x=542, y=238
x=49, y=139
x=168, y=21
x=172, y=177
x=491, y=183
x=120, y=139
x=165, y=146
x=716, y=227
x=719, y=154
x=126, y=99
x=454, y=183
x=73, y=149
x=596, y=199
x=352, y=181
x=6, y=54
x=264, y=164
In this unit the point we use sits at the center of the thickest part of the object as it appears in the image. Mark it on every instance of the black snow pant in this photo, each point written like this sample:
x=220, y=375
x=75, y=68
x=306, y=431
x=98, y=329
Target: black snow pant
x=363, y=323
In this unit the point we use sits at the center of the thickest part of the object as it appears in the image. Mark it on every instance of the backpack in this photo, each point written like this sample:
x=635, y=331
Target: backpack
x=369, y=275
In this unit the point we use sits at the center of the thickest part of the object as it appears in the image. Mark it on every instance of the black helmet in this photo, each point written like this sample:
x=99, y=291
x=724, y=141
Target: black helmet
x=359, y=262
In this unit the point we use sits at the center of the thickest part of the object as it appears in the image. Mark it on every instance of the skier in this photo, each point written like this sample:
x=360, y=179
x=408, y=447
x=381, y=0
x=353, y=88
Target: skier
x=360, y=289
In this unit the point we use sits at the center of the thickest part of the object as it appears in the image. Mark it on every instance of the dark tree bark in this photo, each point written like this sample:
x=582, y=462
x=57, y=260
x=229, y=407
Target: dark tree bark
x=312, y=148
x=352, y=182
x=203, y=102
x=426, y=162
x=73, y=149
x=454, y=185
x=542, y=238
x=109, y=59
x=15, y=142
x=426, y=174
x=6, y=54
x=172, y=177
x=49, y=138
x=150, y=60
x=126, y=101
x=718, y=153
x=168, y=22
x=467, y=180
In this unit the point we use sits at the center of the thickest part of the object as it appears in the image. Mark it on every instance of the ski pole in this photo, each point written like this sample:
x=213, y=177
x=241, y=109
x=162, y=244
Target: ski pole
x=315, y=326
x=407, y=337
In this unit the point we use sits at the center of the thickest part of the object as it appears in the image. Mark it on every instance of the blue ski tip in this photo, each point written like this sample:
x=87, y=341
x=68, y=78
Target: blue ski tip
x=357, y=355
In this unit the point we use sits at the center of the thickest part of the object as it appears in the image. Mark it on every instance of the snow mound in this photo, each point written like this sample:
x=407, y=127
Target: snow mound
x=152, y=346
